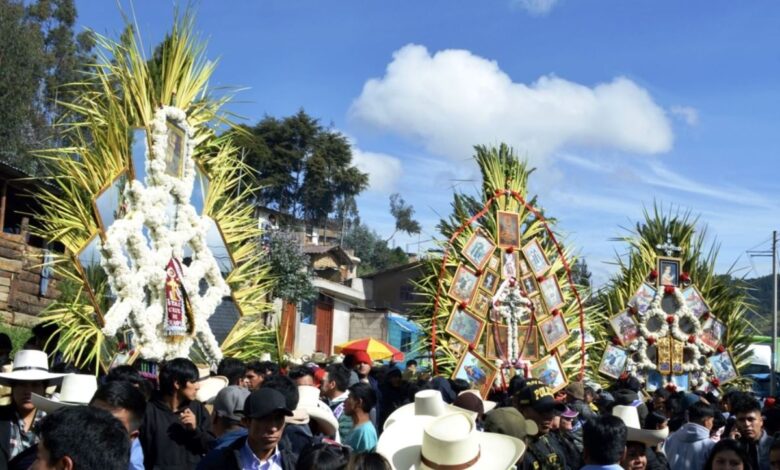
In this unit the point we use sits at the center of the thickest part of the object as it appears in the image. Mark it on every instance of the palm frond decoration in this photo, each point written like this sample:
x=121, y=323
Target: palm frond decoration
x=727, y=296
x=121, y=92
x=504, y=188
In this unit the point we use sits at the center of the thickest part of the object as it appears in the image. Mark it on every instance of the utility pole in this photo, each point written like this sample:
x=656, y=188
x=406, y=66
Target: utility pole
x=772, y=382
x=773, y=346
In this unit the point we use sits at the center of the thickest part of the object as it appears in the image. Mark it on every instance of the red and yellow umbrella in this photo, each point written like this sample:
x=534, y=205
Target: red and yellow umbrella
x=376, y=349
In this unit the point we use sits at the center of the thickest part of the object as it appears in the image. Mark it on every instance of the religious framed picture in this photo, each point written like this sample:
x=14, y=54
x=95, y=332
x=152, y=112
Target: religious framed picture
x=478, y=249
x=625, y=327
x=509, y=264
x=529, y=286
x=494, y=263
x=537, y=260
x=681, y=381
x=642, y=299
x=668, y=271
x=528, y=343
x=653, y=381
x=497, y=341
x=465, y=326
x=489, y=281
x=723, y=367
x=554, y=331
x=695, y=301
x=713, y=331
x=524, y=269
x=550, y=372
x=477, y=371
x=508, y=229
x=175, y=150
x=481, y=303
x=464, y=284
x=540, y=311
x=613, y=362
x=124, y=358
x=551, y=293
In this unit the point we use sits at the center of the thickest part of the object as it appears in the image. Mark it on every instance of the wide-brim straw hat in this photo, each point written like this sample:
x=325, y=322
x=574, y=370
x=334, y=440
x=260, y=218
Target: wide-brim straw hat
x=29, y=366
x=448, y=441
x=76, y=390
x=630, y=417
x=210, y=387
x=426, y=403
x=309, y=401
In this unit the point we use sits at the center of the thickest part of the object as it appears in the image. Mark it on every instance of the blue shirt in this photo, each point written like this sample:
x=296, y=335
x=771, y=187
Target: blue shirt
x=136, y=456
x=249, y=460
x=229, y=438
x=614, y=466
x=363, y=438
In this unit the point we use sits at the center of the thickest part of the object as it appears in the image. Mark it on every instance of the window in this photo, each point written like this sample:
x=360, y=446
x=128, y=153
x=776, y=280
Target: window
x=306, y=309
x=406, y=341
x=406, y=292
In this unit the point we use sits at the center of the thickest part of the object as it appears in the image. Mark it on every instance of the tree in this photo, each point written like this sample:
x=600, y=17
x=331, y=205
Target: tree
x=403, y=216
x=304, y=170
x=289, y=268
x=372, y=250
x=39, y=54
x=580, y=273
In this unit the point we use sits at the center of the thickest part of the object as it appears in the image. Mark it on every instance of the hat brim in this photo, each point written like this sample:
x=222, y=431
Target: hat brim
x=552, y=405
x=407, y=411
x=210, y=387
x=649, y=437
x=401, y=445
x=325, y=420
x=49, y=406
x=8, y=378
x=285, y=411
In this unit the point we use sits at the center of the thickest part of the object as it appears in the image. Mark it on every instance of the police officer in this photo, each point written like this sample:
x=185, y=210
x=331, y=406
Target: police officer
x=535, y=401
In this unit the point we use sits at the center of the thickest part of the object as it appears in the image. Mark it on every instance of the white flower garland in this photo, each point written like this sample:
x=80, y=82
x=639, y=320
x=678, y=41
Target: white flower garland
x=136, y=271
x=694, y=350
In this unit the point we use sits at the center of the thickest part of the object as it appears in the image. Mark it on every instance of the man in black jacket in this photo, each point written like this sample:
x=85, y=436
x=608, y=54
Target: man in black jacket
x=264, y=413
x=176, y=431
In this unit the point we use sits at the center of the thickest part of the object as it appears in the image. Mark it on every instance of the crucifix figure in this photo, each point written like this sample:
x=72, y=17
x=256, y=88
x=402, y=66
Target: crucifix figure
x=668, y=247
x=513, y=307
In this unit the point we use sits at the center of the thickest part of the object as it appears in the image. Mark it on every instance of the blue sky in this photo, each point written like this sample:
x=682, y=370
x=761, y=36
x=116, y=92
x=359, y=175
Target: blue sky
x=617, y=103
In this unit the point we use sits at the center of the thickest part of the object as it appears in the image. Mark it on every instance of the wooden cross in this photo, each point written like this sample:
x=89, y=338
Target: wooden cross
x=667, y=247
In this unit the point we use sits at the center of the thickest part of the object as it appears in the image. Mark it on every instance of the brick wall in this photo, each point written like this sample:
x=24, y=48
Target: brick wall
x=20, y=278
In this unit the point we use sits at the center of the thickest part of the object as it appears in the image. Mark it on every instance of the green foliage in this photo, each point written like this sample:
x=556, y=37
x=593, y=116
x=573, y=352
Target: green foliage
x=19, y=335
x=292, y=281
x=726, y=296
x=304, y=170
x=40, y=54
x=403, y=214
x=372, y=250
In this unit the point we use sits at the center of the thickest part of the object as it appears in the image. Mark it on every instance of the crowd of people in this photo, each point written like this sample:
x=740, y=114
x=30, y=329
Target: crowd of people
x=356, y=414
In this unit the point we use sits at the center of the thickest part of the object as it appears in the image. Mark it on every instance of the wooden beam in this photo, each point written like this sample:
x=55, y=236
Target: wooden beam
x=3, y=192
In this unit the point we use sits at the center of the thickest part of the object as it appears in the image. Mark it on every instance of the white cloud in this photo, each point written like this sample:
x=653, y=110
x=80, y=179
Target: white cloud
x=383, y=170
x=535, y=7
x=688, y=114
x=454, y=99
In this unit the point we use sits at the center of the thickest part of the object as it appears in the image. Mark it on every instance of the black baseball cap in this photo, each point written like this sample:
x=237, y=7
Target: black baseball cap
x=540, y=398
x=264, y=402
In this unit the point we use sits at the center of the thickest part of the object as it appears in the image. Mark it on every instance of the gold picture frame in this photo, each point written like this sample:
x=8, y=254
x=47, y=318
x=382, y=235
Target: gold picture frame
x=465, y=326
x=508, y=229
x=479, y=249
x=554, y=331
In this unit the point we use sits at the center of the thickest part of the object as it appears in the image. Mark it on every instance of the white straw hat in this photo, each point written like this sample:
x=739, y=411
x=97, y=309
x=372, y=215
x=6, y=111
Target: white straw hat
x=76, y=390
x=630, y=417
x=209, y=387
x=449, y=441
x=426, y=403
x=29, y=366
x=309, y=401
